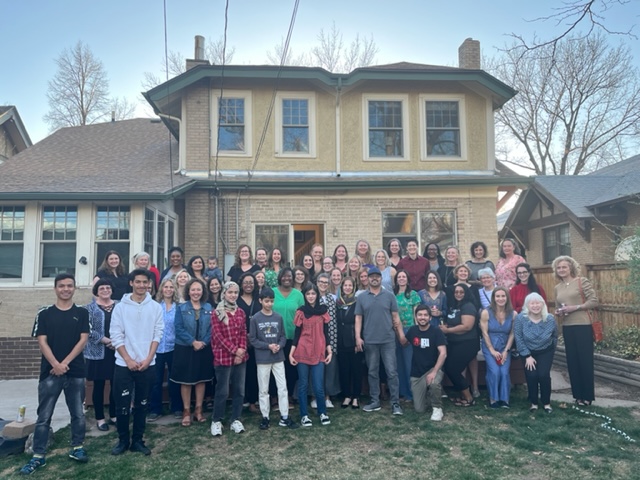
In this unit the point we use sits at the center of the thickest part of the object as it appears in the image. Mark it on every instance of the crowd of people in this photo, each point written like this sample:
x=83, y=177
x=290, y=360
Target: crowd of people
x=268, y=336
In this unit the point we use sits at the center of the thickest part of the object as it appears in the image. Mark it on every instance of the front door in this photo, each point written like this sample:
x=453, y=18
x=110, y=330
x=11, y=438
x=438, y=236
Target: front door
x=304, y=237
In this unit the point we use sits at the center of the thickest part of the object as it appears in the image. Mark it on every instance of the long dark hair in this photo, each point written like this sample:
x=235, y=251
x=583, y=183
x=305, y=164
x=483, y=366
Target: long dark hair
x=439, y=256
x=396, y=287
x=210, y=295
x=532, y=285
x=466, y=299
x=190, y=265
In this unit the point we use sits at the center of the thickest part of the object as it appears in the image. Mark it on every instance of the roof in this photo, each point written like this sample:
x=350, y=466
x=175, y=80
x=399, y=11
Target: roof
x=625, y=177
x=10, y=121
x=575, y=193
x=127, y=159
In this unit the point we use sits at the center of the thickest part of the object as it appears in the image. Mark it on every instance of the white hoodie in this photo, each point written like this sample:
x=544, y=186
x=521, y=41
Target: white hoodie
x=135, y=325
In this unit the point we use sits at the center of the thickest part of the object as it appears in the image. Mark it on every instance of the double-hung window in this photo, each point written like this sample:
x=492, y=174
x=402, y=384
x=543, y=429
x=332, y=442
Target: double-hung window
x=556, y=242
x=233, y=120
x=11, y=241
x=295, y=124
x=58, y=245
x=425, y=225
x=386, y=127
x=112, y=232
x=442, y=127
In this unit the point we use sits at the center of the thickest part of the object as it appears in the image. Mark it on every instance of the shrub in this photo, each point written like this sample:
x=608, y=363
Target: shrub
x=623, y=342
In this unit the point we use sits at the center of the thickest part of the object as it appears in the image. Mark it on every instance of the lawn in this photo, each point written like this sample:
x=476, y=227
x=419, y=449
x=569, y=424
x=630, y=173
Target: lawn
x=470, y=443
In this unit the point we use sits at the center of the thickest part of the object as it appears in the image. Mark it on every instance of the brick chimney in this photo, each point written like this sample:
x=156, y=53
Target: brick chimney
x=469, y=54
x=198, y=54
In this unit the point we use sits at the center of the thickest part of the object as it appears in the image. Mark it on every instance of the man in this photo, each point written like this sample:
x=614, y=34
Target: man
x=376, y=322
x=62, y=330
x=136, y=329
x=429, y=353
x=415, y=265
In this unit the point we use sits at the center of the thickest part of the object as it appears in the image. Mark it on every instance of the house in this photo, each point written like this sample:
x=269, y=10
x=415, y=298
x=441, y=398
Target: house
x=586, y=216
x=264, y=155
x=13, y=135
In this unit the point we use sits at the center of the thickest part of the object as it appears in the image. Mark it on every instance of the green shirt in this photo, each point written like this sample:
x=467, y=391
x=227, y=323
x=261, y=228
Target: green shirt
x=287, y=307
x=406, y=306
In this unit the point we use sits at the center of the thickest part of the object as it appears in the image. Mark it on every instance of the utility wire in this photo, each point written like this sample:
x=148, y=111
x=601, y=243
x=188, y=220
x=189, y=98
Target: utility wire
x=224, y=61
x=166, y=66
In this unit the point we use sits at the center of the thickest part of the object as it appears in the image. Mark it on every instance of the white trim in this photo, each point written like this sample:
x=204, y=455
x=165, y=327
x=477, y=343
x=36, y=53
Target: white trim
x=246, y=95
x=425, y=97
x=310, y=97
x=491, y=135
x=391, y=97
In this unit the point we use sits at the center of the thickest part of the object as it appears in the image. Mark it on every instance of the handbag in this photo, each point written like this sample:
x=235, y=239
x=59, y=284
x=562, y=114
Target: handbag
x=596, y=323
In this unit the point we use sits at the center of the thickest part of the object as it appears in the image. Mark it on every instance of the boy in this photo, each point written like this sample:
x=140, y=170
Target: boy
x=62, y=330
x=213, y=270
x=429, y=352
x=266, y=334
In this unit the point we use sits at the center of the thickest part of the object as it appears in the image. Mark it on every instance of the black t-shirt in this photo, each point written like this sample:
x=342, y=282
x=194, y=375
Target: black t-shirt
x=425, y=345
x=454, y=318
x=236, y=272
x=62, y=329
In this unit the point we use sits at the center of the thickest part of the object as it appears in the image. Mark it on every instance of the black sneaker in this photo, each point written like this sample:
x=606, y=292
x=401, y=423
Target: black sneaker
x=287, y=422
x=140, y=447
x=79, y=454
x=264, y=424
x=120, y=448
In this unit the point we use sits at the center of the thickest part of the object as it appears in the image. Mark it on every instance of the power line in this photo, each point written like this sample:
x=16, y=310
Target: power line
x=224, y=61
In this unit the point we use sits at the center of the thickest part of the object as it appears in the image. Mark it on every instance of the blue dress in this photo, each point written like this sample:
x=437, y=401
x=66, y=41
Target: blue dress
x=498, y=380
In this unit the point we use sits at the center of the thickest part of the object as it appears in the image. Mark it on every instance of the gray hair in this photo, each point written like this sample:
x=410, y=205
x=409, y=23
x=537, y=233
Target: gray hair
x=538, y=297
x=486, y=271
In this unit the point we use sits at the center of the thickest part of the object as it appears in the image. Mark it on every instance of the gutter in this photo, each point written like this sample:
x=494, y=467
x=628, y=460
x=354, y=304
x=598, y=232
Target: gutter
x=181, y=166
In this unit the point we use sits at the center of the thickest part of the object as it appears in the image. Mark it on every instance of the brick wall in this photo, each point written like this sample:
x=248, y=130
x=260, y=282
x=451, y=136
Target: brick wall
x=19, y=358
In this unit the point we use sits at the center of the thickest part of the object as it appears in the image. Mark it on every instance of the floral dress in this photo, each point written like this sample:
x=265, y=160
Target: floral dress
x=406, y=306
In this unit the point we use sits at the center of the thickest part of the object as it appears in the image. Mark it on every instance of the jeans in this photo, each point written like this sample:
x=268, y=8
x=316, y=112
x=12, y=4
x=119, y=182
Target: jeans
x=155, y=398
x=49, y=391
x=372, y=354
x=264, y=374
x=125, y=383
x=498, y=377
x=540, y=376
x=317, y=382
x=403, y=359
x=236, y=375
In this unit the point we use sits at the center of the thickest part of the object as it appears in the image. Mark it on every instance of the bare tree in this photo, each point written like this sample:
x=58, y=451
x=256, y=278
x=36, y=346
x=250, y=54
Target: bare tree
x=78, y=94
x=274, y=56
x=577, y=107
x=218, y=53
x=121, y=108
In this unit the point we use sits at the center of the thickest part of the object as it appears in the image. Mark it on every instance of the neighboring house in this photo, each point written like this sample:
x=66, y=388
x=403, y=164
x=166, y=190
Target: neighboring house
x=584, y=216
x=13, y=136
x=261, y=155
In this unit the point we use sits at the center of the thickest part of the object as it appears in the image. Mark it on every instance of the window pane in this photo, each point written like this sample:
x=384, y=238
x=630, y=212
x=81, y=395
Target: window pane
x=400, y=225
x=231, y=138
x=149, y=227
x=232, y=123
x=121, y=247
x=11, y=223
x=438, y=227
x=271, y=236
x=295, y=139
x=161, y=235
x=11, y=260
x=58, y=258
x=59, y=223
x=385, y=128
x=112, y=223
x=443, y=128
x=385, y=143
x=385, y=114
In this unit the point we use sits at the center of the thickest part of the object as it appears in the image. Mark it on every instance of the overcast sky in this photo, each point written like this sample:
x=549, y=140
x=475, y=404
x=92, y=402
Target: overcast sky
x=128, y=35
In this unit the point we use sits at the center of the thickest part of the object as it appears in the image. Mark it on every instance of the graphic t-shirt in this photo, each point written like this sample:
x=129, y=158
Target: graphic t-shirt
x=425, y=345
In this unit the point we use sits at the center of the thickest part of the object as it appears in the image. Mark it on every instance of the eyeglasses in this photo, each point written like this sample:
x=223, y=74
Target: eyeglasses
x=523, y=272
x=323, y=282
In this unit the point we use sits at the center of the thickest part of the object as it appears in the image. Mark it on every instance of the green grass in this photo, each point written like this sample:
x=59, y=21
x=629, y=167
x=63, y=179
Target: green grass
x=469, y=444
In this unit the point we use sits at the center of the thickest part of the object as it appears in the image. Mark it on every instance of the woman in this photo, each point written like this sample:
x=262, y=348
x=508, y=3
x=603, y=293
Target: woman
x=192, y=353
x=168, y=298
x=248, y=302
x=462, y=338
x=331, y=379
x=300, y=277
x=408, y=299
x=286, y=302
x=176, y=259
x=310, y=352
x=363, y=280
x=488, y=281
x=143, y=260
x=363, y=252
x=435, y=298
x=394, y=251
x=261, y=281
x=317, y=254
x=195, y=267
x=229, y=345
x=307, y=262
x=509, y=258
x=415, y=265
x=99, y=352
x=243, y=263
x=214, y=289
x=575, y=300
x=181, y=280
x=350, y=365
x=384, y=265
x=478, y=261
x=336, y=280
x=536, y=337
x=525, y=284
x=341, y=258
x=353, y=267
x=262, y=257
x=432, y=253
x=276, y=262
x=327, y=265
x=112, y=269
x=496, y=324
x=452, y=260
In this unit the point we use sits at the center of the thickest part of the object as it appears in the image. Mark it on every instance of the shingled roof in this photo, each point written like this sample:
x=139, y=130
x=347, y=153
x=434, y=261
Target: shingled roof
x=128, y=159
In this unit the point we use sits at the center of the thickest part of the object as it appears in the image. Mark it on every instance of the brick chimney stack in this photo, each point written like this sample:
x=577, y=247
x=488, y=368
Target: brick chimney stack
x=469, y=54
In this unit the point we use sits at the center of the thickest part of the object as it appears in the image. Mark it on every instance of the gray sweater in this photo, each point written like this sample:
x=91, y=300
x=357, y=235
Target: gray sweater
x=263, y=331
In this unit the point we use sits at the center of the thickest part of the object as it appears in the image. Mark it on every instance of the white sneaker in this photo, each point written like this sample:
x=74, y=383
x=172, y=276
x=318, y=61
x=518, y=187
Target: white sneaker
x=216, y=428
x=329, y=403
x=324, y=419
x=437, y=415
x=314, y=404
x=306, y=421
x=237, y=427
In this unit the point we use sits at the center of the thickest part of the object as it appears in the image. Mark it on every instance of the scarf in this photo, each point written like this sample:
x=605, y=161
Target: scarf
x=309, y=310
x=224, y=306
x=345, y=301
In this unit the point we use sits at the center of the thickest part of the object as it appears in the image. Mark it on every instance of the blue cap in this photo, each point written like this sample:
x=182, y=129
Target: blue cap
x=374, y=271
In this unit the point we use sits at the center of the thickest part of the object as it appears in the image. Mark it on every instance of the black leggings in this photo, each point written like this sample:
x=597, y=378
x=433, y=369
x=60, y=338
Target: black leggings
x=459, y=354
x=350, y=371
x=98, y=399
x=540, y=376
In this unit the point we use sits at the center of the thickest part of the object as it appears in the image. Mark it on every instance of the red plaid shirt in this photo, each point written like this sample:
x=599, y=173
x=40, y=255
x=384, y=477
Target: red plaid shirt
x=227, y=339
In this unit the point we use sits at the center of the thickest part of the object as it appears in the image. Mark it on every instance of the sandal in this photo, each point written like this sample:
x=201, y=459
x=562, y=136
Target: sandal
x=346, y=403
x=465, y=403
x=186, y=417
x=354, y=404
x=198, y=415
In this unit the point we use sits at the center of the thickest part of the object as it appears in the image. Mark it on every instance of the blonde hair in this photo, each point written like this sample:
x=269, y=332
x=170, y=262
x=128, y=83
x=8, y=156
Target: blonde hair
x=574, y=267
x=538, y=297
x=160, y=297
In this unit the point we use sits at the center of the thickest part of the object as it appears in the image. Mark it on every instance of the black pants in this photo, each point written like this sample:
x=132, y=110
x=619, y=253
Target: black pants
x=251, y=378
x=459, y=354
x=541, y=376
x=98, y=399
x=350, y=372
x=290, y=371
x=126, y=383
x=578, y=343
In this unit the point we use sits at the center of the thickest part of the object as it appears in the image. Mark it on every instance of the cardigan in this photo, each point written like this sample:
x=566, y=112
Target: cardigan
x=94, y=349
x=570, y=295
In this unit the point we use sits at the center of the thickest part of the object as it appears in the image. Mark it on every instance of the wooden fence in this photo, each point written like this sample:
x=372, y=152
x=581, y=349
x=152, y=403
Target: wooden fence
x=618, y=306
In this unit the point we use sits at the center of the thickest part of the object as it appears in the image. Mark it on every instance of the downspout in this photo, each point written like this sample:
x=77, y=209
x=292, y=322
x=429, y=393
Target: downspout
x=180, y=143
x=238, y=218
x=338, y=92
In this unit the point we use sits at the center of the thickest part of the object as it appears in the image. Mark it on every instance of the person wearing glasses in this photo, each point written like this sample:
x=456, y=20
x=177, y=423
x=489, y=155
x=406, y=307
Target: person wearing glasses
x=525, y=284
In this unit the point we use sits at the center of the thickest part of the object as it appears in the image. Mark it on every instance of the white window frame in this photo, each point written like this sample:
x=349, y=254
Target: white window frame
x=43, y=242
x=248, y=123
x=169, y=218
x=418, y=225
x=13, y=241
x=310, y=97
x=460, y=99
x=388, y=97
x=98, y=241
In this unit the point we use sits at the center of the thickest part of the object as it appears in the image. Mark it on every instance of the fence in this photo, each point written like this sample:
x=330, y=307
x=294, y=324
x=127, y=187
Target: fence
x=618, y=306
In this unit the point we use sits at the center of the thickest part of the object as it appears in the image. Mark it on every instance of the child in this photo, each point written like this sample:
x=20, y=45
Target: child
x=308, y=351
x=212, y=269
x=266, y=334
x=429, y=352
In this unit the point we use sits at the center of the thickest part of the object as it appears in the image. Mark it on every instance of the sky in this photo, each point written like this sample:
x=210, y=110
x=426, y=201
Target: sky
x=128, y=35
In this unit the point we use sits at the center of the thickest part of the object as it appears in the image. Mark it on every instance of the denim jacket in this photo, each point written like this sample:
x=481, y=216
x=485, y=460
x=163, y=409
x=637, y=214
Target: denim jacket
x=185, y=324
x=94, y=349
